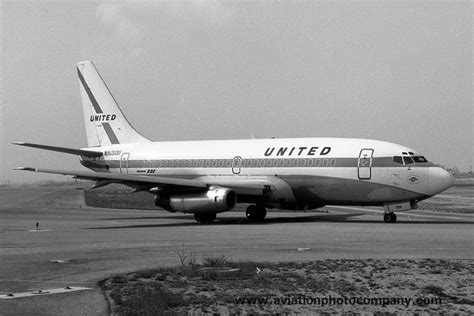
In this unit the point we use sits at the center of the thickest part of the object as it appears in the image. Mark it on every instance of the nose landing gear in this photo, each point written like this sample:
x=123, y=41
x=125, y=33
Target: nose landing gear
x=390, y=217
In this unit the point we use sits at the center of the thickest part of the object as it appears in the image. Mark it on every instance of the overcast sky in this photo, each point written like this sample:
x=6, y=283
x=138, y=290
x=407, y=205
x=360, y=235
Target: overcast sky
x=394, y=71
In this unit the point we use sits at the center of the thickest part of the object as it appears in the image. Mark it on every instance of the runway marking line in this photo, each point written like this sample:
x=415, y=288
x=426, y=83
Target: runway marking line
x=303, y=249
x=39, y=230
x=44, y=292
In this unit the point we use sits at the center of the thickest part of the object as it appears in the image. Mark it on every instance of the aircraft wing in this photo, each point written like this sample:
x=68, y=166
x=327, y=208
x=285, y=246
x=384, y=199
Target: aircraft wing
x=241, y=185
x=104, y=178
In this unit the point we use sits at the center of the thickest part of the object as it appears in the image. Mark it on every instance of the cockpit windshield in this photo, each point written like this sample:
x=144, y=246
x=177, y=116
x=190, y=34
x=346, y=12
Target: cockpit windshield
x=406, y=160
x=419, y=159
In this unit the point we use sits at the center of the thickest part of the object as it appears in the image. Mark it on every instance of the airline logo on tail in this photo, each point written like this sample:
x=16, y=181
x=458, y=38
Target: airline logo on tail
x=99, y=118
x=104, y=120
x=95, y=104
x=103, y=117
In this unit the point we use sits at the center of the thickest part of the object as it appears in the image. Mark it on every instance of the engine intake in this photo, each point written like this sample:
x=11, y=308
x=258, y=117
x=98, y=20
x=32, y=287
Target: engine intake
x=214, y=200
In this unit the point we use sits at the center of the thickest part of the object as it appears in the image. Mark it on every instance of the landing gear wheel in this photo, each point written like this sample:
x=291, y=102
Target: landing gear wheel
x=390, y=217
x=256, y=213
x=205, y=218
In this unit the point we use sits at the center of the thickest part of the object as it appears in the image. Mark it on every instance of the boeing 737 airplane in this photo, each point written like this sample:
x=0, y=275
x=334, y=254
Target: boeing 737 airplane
x=210, y=177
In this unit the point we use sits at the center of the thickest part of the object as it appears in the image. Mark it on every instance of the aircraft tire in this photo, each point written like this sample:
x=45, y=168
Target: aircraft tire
x=390, y=217
x=394, y=218
x=256, y=213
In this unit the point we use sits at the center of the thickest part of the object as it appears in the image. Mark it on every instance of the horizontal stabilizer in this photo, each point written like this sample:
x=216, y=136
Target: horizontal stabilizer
x=73, y=151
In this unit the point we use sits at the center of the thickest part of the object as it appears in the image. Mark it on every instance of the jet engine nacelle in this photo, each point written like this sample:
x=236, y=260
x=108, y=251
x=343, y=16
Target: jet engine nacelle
x=214, y=200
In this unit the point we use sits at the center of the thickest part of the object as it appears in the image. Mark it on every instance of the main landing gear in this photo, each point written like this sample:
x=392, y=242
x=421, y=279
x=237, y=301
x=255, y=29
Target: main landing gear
x=390, y=217
x=205, y=218
x=256, y=213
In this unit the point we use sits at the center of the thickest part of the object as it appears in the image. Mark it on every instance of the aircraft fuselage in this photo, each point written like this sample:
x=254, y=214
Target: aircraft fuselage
x=314, y=171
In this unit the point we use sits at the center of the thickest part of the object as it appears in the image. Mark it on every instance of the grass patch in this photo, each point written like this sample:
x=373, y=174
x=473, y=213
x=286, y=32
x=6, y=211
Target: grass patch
x=214, y=285
x=119, y=197
x=148, y=299
x=435, y=290
x=214, y=262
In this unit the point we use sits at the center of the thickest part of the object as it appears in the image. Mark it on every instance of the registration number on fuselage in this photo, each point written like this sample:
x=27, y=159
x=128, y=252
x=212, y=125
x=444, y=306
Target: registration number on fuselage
x=112, y=152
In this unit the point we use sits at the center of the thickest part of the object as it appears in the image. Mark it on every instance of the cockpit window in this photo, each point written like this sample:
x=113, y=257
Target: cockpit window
x=408, y=160
x=398, y=159
x=420, y=159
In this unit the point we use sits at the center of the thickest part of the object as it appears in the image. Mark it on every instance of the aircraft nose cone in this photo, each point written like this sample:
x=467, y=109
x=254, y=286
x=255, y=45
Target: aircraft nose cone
x=440, y=180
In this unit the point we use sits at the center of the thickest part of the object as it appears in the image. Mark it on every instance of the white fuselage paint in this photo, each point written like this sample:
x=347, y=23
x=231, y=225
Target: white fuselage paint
x=336, y=160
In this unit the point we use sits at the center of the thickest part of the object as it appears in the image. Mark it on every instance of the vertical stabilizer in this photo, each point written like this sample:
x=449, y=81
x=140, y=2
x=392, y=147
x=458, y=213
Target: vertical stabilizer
x=105, y=122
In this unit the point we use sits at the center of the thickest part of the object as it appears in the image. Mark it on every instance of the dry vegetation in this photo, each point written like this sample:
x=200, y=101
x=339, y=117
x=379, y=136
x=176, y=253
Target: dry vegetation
x=120, y=197
x=216, y=285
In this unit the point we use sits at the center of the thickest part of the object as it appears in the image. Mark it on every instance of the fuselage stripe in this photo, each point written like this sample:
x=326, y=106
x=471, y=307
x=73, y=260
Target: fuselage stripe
x=110, y=133
x=249, y=163
x=94, y=102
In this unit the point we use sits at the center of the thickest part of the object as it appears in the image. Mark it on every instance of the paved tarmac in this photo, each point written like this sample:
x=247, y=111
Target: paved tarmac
x=78, y=246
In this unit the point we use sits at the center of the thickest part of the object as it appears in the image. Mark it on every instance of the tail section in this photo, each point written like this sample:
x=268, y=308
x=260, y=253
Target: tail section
x=105, y=122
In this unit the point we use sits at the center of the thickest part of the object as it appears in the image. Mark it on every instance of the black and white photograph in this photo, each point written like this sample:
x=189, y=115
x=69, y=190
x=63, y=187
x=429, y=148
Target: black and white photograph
x=223, y=157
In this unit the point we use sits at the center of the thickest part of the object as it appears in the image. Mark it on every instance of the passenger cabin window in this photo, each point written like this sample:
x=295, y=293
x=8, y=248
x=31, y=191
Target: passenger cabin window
x=398, y=159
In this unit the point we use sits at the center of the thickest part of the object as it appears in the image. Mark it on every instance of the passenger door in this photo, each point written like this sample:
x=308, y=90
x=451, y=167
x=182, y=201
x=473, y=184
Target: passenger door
x=124, y=163
x=236, y=163
x=364, y=164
